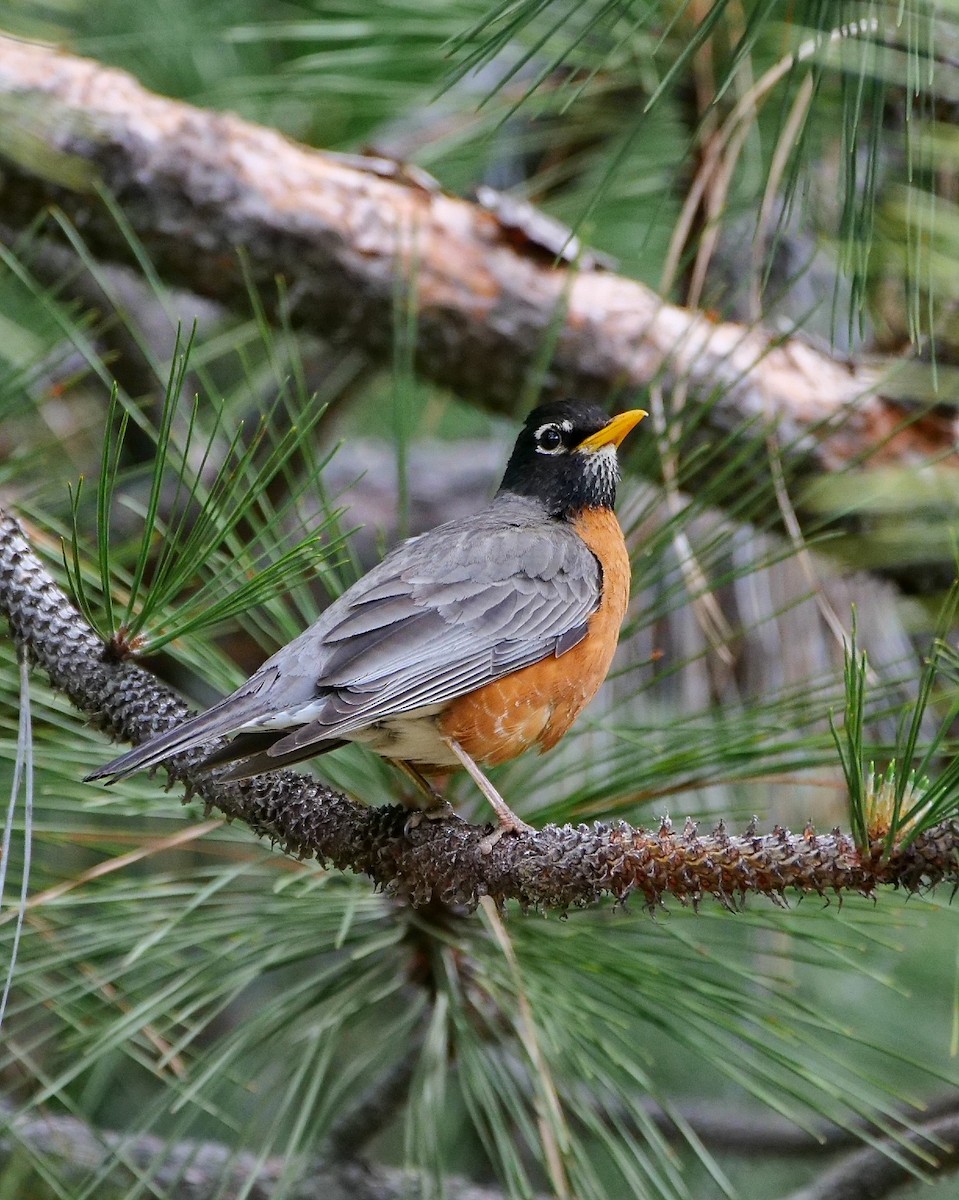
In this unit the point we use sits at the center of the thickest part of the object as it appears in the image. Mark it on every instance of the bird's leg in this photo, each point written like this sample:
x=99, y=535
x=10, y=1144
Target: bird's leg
x=509, y=822
x=438, y=808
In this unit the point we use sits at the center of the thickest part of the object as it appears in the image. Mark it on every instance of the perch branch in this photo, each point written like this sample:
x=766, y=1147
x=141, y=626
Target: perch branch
x=443, y=860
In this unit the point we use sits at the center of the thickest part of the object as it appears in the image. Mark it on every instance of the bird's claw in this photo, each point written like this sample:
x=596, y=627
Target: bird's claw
x=511, y=824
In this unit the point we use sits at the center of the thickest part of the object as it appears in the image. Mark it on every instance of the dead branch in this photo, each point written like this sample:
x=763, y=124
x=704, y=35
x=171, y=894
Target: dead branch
x=197, y=186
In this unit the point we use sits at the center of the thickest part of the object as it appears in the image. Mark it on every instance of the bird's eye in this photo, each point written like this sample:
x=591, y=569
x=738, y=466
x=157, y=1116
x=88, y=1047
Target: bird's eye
x=549, y=439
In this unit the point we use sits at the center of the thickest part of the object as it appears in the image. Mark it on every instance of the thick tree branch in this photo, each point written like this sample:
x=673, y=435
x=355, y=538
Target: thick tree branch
x=216, y=1170
x=195, y=186
x=443, y=860
x=202, y=1170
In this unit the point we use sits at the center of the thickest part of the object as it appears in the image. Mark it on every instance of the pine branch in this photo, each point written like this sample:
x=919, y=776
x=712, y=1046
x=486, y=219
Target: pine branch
x=203, y=1170
x=882, y=1169
x=754, y=1133
x=443, y=860
x=193, y=185
x=372, y=1112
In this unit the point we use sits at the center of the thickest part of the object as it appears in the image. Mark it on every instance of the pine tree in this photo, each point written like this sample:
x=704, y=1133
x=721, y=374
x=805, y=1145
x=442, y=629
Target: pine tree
x=198, y=410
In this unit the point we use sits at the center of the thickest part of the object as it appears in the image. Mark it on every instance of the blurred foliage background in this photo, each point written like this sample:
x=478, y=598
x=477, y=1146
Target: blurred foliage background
x=790, y=163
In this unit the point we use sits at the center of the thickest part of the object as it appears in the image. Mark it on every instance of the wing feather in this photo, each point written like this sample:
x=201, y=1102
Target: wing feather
x=452, y=610
x=449, y=611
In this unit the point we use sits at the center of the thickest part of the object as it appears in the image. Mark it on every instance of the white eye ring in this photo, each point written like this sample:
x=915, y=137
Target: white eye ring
x=551, y=427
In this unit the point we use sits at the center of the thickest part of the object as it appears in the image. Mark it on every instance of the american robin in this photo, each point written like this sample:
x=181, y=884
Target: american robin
x=466, y=645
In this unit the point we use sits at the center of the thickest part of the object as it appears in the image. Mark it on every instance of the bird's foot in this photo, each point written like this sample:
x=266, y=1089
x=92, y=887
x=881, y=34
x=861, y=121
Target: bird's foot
x=506, y=820
x=509, y=822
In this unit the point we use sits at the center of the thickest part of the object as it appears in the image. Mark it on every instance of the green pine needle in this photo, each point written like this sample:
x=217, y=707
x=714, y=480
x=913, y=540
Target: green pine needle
x=849, y=743
x=210, y=559
x=914, y=791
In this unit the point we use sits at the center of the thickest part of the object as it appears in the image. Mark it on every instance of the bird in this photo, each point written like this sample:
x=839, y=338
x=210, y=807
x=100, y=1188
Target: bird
x=464, y=646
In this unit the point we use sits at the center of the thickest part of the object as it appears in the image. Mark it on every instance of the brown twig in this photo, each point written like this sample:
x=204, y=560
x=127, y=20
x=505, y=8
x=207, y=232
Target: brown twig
x=443, y=860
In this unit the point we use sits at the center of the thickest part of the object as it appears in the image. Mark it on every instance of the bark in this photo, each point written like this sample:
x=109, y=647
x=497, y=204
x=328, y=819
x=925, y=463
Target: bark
x=196, y=1170
x=443, y=861
x=197, y=186
x=202, y=1170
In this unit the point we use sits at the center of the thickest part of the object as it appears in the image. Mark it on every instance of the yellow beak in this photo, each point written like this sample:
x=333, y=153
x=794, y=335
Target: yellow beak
x=613, y=433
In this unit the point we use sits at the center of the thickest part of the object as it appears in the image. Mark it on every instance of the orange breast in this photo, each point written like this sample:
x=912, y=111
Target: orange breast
x=536, y=706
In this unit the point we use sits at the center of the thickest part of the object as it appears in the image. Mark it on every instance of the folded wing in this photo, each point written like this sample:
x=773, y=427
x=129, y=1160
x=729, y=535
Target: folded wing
x=444, y=613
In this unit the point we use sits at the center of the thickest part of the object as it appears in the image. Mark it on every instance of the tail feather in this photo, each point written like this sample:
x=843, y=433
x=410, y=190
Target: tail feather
x=248, y=761
x=222, y=719
x=244, y=745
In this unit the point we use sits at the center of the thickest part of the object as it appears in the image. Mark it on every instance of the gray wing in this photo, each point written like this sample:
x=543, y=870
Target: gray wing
x=458, y=607
x=449, y=614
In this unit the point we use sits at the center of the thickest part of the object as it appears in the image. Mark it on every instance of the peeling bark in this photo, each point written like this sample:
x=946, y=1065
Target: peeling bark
x=197, y=186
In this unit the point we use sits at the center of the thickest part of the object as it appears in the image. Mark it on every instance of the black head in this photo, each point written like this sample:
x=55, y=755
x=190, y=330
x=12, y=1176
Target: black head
x=565, y=456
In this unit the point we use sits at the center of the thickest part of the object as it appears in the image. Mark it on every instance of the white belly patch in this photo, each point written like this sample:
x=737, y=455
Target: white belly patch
x=412, y=737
